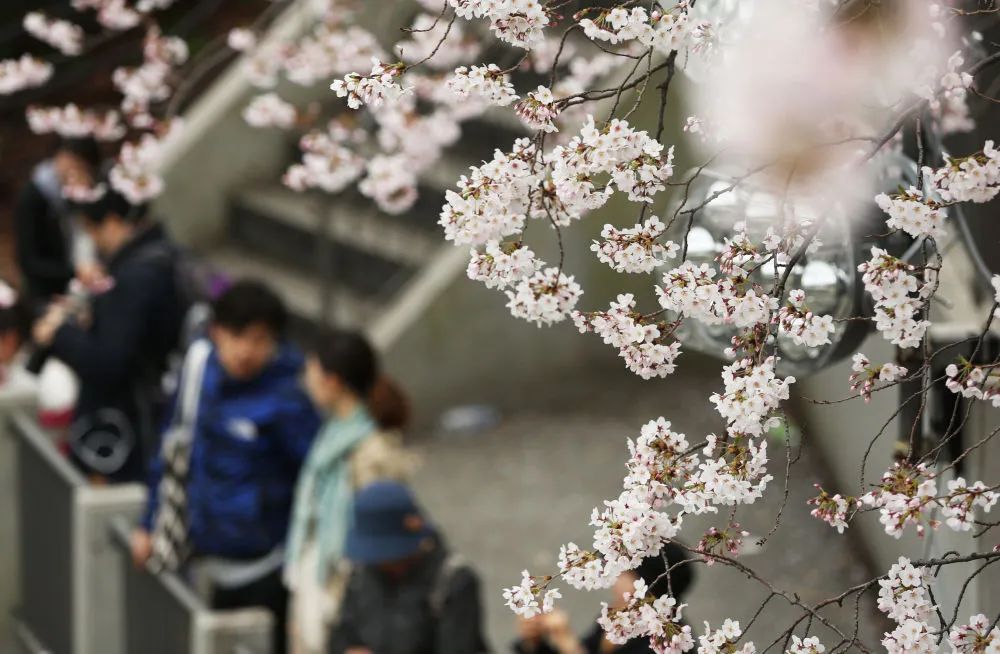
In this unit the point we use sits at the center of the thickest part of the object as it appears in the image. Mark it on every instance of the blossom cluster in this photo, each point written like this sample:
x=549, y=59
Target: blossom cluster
x=832, y=509
x=975, y=637
x=897, y=311
x=978, y=382
x=975, y=178
x=636, y=163
x=693, y=290
x=373, y=89
x=62, y=35
x=150, y=82
x=658, y=619
x=903, y=497
x=518, y=22
x=538, y=110
x=546, y=297
x=523, y=599
x=810, y=645
x=327, y=163
x=269, y=110
x=71, y=121
x=733, y=472
x=724, y=640
x=866, y=376
x=639, y=342
x=752, y=392
x=951, y=106
x=500, y=265
x=391, y=182
x=801, y=325
x=23, y=73
x=958, y=506
x=910, y=212
x=715, y=541
x=903, y=597
x=487, y=82
x=136, y=174
x=635, y=250
x=115, y=15
x=665, y=31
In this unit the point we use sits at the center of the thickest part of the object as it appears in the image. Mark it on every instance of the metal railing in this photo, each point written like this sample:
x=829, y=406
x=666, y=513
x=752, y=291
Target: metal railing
x=165, y=616
x=78, y=592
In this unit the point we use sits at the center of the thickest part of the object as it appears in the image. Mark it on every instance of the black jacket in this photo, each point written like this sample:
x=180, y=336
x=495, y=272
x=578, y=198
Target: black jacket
x=43, y=244
x=401, y=617
x=121, y=355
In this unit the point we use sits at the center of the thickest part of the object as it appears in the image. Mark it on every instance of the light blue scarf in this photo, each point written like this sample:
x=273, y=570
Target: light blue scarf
x=323, y=495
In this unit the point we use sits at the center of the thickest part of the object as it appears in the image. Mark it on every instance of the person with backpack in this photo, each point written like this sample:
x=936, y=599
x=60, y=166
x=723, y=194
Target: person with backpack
x=359, y=443
x=407, y=594
x=549, y=633
x=116, y=336
x=221, y=487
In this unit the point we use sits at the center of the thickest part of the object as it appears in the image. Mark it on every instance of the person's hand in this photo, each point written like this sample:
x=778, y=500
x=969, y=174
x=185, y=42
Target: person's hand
x=358, y=650
x=91, y=274
x=530, y=630
x=45, y=328
x=559, y=633
x=141, y=544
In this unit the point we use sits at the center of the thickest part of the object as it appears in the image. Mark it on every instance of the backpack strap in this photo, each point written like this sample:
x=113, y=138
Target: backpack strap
x=439, y=592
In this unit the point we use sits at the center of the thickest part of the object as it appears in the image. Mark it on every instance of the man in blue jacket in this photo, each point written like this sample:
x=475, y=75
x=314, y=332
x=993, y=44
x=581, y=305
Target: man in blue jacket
x=220, y=508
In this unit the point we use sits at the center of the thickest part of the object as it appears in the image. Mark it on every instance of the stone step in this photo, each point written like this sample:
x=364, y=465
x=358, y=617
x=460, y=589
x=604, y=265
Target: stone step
x=301, y=292
x=284, y=241
x=363, y=228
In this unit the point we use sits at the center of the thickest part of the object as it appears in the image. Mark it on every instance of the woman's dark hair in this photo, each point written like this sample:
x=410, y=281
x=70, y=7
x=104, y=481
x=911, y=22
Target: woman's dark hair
x=110, y=203
x=16, y=317
x=249, y=302
x=84, y=148
x=653, y=571
x=350, y=357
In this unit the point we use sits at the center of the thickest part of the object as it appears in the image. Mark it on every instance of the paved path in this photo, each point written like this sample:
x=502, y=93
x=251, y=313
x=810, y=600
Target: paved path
x=509, y=497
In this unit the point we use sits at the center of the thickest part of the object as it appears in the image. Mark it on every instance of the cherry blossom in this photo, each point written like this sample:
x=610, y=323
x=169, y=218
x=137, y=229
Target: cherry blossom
x=390, y=181
x=832, y=509
x=546, y=297
x=803, y=326
x=373, y=89
x=523, y=599
x=500, y=265
x=889, y=282
x=71, y=121
x=810, y=645
x=487, y=82
x=866, y=376
x=975, y=637
x=327, y=164
x=977, y=382
x=136, y=174
x=724, y=640
x=962, y=500
x=658, y=619
x=639, y=342
x=910, y=637
x=909, y=212
x=975, y=178
x=733, y=472
x=716, y=541
x=241, y=39
x=518, y=22
x=693, y=291
x=903, y=498
x=903, y=594
x=23, y=73
x=538, y=110
x=62, y=35
x=269, y=110
x=637, y=249
x=752, y=392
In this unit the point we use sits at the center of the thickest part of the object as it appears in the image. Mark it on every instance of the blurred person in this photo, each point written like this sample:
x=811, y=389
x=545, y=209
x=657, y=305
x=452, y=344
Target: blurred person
x=116, y=336
x=55, y=386
x=221, y=488
x=359, y=443
x=407, y=594
x=51, y=249
x=550, y=633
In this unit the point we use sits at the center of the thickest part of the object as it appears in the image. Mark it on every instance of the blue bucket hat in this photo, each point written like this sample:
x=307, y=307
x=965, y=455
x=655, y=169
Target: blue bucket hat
x=388, y=525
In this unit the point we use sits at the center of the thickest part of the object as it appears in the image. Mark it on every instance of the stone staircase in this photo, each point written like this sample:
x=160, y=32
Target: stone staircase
x=337, y=259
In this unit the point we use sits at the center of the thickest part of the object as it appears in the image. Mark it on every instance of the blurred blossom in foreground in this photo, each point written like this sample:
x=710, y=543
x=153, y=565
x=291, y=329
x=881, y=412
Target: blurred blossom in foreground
x=809, y=92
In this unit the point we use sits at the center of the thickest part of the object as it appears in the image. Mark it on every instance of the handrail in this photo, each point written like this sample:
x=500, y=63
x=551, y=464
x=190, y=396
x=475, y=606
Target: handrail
x=121, y=532
x=27, y=426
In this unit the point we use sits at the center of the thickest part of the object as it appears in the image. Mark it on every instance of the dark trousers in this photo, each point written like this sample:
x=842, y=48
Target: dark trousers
x=268, y=592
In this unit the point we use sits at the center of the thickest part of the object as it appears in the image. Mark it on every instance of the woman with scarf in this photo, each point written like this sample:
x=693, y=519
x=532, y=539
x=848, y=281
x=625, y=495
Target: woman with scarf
x=359, y=443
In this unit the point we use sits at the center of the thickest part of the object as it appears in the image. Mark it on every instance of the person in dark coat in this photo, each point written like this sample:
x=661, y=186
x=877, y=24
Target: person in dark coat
x=117, y=340
x=550, y=633
x=48, y=242
x=407, y=594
